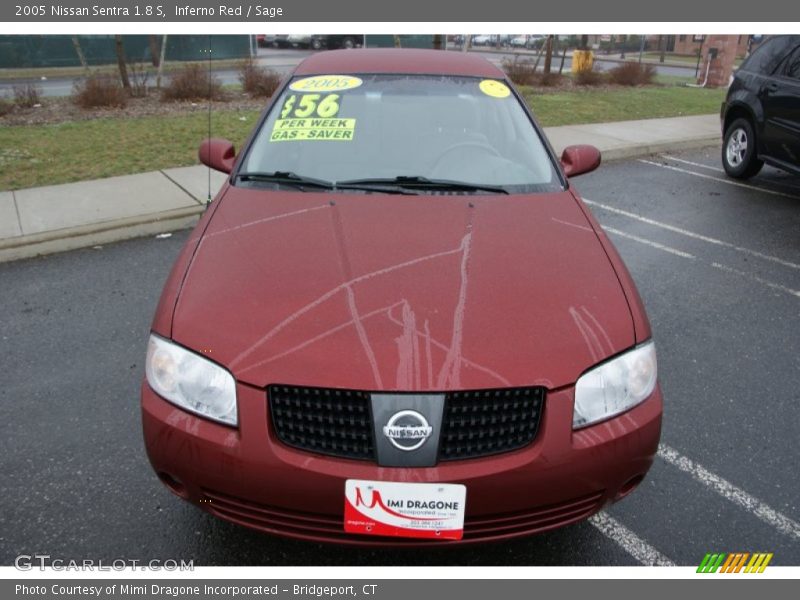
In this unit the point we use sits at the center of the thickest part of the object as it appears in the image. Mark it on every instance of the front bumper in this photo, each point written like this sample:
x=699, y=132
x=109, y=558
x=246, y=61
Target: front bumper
x=247, y=476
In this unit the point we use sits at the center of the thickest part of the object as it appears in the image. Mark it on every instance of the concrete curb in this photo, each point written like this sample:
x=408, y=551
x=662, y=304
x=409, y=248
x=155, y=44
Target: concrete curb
x=637, y=150
x=84, y=236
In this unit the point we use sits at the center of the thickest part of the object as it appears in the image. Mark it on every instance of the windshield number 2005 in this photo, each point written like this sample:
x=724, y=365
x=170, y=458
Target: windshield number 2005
x=309, y=104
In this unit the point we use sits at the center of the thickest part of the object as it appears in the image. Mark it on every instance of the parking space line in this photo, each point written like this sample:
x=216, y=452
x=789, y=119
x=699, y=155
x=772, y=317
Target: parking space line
x=730, y=492
x=720, y=179
x=629, y=541
x=721, y=170
x=681, y=253
x=650, y=243
x=694, y=164
x=757, y=279
x=693, y=235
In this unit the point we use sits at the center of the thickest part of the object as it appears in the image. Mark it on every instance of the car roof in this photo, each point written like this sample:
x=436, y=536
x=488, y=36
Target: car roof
x=398, y=60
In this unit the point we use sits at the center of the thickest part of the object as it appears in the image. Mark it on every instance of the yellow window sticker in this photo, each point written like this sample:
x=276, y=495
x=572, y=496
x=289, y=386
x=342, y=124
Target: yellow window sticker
x=325, y=83
x=494, y=88
x=336, y=130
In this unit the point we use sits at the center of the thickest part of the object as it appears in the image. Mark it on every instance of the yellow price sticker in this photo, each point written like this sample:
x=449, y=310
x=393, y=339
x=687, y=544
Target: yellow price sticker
x=336, y=130
x=494, y=88
x=325, y=83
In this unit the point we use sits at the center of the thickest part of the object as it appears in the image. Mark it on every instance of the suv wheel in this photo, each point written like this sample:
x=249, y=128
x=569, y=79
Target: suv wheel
x=316, y=43
x=349, y=43
x=739, y=150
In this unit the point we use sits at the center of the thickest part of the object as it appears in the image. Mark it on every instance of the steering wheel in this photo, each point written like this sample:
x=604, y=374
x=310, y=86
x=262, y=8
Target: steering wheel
x=469, y=144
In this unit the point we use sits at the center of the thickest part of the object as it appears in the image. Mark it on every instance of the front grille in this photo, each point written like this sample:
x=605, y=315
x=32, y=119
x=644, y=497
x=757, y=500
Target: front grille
x=489, y=422
x=338, y=422
x=328, y=421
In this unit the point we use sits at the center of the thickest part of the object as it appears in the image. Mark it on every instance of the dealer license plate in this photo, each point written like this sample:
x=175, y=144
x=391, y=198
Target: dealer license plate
x=418, y=510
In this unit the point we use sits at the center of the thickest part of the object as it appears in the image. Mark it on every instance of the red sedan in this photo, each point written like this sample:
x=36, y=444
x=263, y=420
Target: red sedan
x=398, y=323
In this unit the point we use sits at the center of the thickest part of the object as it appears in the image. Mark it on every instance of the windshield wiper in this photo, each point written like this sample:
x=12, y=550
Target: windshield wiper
x=286, y=177
x=420, y=182
x=300, y=181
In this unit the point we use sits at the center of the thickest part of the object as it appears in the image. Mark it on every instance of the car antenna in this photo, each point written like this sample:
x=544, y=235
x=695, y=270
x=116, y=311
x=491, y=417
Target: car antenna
x=208, y=200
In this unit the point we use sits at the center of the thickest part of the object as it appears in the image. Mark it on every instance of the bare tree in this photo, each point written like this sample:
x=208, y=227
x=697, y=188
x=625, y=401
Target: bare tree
x=152, y=40
x=662, y=47
x=77, y=45
x=548, y=54
x=161, y=60
x=397, y=42
x=122, y=64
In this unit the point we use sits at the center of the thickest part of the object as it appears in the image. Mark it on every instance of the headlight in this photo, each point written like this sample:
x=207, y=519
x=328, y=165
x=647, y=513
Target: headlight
x=192, y=382
x=615, y=386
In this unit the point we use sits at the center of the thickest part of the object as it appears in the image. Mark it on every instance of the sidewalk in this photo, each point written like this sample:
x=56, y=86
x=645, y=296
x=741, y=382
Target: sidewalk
x=75, y=215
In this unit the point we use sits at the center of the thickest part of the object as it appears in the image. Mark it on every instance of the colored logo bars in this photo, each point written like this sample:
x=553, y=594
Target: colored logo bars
x=735, y=562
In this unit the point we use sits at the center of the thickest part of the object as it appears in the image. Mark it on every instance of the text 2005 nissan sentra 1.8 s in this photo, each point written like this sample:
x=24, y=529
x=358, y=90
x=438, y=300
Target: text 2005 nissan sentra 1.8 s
x=397, y=323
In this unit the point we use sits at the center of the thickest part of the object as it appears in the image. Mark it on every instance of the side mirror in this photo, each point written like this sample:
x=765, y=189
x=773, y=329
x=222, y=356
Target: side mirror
x=580, y=159
x=218, y=154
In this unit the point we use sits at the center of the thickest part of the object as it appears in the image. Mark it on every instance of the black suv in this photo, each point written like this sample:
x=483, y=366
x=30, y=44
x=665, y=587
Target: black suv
x=761, y=113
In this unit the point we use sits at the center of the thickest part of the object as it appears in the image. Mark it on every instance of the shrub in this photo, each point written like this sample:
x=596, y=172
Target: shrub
x=99, y=90
x=27, y=95
x=193, y=82
x=258, y=81
x=632, y=73
x=5, y=107
x=521, y=72
x=138, y=78
x=550, y=79
x=589, y=78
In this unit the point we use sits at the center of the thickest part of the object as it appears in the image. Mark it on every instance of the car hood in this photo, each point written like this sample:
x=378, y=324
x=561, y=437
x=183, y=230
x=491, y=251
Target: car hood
x=396, y=292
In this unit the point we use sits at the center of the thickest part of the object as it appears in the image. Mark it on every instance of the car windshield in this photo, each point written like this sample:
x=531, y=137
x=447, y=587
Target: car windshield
x=411, y=131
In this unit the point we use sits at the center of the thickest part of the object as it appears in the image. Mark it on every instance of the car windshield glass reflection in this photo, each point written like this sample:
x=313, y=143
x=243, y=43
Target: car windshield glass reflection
x=399, y=130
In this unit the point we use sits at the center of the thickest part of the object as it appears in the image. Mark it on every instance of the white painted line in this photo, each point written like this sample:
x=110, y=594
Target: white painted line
x=756, y=278
x=650, y=243
x=720, y=179
x=730, y=492
x=694, y=235
x=694, y=164
x=629, y=541
x=682, y=254
x=721, y=170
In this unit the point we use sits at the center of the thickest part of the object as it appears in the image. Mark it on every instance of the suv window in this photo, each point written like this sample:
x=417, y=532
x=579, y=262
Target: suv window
x=768, y=55
x=791, y=66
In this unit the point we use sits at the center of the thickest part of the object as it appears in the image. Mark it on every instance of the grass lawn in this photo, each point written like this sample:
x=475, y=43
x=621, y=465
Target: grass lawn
x=35, y=155
x=601, y=106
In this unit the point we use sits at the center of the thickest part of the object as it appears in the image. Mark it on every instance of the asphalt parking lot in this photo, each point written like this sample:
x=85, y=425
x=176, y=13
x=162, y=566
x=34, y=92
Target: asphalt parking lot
x=716, y=261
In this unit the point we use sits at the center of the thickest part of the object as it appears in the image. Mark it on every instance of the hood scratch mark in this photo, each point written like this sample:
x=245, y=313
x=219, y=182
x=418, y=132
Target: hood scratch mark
x=433, y=341
x=575, y=225
x=599, y=328
x=592, y=343
x=428, y=355
x=362, y=336
x=264, y=220
x=331, y=293
x=323, y=335
x=408, y=363
x=451, y=369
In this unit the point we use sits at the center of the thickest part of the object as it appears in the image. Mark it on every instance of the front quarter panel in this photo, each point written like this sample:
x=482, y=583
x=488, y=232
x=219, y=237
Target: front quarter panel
x=641, y=324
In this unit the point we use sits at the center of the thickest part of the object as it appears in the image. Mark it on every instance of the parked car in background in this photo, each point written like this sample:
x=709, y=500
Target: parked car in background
x=761, y=113
x=481, y=40
x=299, y=41
x=332, y=42
x=519, y=41
x=270, y=40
